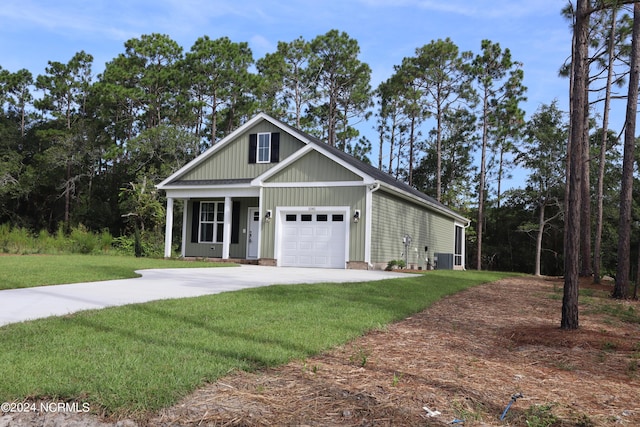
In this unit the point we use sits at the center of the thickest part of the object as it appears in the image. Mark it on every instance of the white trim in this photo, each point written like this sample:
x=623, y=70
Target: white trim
x=260, y=209
x=368, y=222
x=185, y=217
x=462, y=243
x=226, y=227
x=258, y=161
x=283, y=210
x=168, y=228
x=314, y=184
x=210, y=192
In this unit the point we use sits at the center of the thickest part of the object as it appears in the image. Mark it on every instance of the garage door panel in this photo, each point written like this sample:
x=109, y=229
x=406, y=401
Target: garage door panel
x=313, y=240
x=306, y=231
x=323, y=231
x=290, y=245
x=291, y=232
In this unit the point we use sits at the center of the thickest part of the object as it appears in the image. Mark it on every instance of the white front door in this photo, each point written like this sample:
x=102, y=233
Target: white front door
x=253, y=227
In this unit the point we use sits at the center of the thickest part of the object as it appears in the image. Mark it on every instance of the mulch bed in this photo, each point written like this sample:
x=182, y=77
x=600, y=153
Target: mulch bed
x=463, y=357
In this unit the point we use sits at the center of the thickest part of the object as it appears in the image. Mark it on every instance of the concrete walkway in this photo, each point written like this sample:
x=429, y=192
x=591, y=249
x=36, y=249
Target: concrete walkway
x=17, y=305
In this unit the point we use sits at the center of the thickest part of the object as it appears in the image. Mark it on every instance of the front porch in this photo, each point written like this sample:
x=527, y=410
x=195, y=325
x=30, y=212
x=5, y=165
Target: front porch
x=216, y=228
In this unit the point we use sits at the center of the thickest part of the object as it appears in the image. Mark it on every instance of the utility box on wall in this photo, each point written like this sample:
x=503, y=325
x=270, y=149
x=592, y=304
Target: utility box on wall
x=444, y=261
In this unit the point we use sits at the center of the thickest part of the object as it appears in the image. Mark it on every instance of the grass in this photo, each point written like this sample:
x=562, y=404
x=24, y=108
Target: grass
x=130, y=360
x=24, y=271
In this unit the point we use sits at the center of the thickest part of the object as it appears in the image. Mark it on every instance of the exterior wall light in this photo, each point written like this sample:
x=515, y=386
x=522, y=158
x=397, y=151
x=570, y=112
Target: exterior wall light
x=356, y=216
x=267, y=217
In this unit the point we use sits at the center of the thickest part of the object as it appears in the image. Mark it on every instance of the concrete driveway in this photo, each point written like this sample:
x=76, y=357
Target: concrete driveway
x=17, y=305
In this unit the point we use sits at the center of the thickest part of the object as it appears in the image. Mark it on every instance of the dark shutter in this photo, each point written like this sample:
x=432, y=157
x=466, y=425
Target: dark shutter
x=253, y=147
x=275, y=147
x=235, y=223
x=195, y=221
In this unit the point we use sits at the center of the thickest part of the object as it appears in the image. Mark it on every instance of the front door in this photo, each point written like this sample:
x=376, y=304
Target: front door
x=253, y=226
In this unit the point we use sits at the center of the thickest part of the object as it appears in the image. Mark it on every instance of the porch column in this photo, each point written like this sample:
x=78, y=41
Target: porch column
x=168, y=228
x=183, y=243
x=226, y=234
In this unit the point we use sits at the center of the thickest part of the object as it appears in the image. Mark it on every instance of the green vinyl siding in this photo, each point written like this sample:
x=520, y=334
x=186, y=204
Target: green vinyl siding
x=394, y=217
x=353, y=197
x=314, y=167
x=232, y=160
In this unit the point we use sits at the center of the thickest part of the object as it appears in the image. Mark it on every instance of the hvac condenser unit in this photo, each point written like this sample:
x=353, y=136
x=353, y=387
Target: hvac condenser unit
x=444, y=261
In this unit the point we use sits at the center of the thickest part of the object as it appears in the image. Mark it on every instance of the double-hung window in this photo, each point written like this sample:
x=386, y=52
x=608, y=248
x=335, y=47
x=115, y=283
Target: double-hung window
x=264, y=148
x=211, y=222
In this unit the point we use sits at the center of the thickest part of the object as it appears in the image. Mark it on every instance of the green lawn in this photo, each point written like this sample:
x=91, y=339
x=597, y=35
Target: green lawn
x=134, y=359
x=24, y=271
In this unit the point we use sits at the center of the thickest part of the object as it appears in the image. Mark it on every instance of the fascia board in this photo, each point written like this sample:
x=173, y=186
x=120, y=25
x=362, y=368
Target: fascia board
x=181, y=192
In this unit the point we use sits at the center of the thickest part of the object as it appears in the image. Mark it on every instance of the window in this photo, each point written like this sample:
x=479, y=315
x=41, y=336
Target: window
x=291, y=217
x=211, y=222
x=457, y=257
x=264, y=148
x=337, y=217
x=321, y=218
x=305, y=217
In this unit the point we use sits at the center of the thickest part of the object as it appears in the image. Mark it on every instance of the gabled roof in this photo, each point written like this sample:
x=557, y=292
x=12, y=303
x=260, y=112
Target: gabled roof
x=373, y=172
x=370, y=173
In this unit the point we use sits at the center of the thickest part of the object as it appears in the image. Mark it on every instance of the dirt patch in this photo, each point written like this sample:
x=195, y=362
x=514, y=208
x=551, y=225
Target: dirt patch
x=464, y=357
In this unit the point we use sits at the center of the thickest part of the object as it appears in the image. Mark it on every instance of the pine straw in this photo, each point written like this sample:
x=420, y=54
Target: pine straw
x=465, y=357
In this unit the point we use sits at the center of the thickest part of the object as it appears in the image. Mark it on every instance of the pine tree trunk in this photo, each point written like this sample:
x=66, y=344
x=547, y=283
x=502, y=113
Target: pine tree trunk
x=624, y=227
x=603, y=150
x=483, y=172
x=541, y=224
x=572, y=228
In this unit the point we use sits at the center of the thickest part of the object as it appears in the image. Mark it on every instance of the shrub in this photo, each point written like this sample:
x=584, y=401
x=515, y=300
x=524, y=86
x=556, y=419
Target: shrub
x=83, y=241
x=396, y=263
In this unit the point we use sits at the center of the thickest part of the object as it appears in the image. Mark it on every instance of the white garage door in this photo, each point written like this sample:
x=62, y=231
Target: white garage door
x=313, y=239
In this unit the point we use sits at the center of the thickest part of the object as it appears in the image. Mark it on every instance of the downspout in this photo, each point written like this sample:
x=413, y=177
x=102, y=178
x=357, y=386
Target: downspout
x=369, y=222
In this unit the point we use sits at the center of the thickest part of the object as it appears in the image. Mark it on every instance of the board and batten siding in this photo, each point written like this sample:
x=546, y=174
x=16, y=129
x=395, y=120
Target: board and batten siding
x=309, y=197
x=232, y=160
x=314, y=167
x=394, y=217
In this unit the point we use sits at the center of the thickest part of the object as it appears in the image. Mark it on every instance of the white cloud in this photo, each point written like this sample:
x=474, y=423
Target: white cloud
x=478, y=8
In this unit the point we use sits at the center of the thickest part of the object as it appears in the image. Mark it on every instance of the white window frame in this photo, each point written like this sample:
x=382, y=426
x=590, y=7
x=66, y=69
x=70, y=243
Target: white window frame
x=458, y=245
x=218, y=210
x=260, y=147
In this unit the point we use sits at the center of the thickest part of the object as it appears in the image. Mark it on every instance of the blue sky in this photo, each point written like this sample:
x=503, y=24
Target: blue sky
x=33, y=32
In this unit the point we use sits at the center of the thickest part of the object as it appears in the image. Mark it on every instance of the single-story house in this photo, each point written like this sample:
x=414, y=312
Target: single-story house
x=273, y=194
